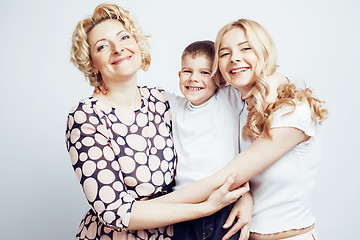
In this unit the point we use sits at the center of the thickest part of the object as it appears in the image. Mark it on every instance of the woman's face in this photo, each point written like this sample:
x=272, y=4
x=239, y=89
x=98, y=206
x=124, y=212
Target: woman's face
x=114, y=52
x=237, y=60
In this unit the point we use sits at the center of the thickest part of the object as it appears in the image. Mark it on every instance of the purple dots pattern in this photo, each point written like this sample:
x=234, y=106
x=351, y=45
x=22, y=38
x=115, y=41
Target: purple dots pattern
x=120, y=160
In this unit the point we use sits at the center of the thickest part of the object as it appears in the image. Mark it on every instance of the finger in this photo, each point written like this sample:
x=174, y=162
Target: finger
x=228, y=182
x=250, y=104
x=235, y=194
x=246, y=96
x=230, y=220
x=96, y=90
x=245, y=232
x=237, y=226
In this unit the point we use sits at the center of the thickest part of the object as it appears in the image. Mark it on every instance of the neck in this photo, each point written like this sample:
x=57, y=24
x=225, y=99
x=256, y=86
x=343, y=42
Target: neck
x=123, y=95
x=245, y=90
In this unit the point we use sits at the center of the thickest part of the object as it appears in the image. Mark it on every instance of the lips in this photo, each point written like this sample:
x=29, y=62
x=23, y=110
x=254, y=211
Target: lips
x=120, y=60
x=239, y=70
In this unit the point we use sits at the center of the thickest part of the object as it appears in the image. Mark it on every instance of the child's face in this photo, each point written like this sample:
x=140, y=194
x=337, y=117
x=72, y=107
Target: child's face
x=195, y=81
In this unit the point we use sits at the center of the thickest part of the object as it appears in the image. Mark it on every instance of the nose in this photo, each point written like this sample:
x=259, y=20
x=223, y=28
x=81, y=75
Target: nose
x=236, y=56
x=117, y=48
x=194, y=77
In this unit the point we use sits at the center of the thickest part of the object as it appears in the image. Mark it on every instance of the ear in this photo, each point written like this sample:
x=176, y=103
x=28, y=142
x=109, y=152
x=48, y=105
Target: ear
x=179, y=73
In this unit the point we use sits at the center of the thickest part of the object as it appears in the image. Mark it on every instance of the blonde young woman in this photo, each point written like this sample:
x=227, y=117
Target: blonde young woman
x=280, y=139
x=120, y=143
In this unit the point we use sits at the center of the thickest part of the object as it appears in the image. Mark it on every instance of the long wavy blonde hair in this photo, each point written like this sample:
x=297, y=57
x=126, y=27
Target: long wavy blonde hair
x=264, y=48
x=80, y=50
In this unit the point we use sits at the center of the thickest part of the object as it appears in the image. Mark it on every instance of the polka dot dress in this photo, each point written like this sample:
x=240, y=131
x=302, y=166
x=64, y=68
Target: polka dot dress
x=120, y=160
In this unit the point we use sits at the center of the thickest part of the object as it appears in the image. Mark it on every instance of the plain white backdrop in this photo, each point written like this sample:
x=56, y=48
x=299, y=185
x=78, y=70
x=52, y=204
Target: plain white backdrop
x=41, y=198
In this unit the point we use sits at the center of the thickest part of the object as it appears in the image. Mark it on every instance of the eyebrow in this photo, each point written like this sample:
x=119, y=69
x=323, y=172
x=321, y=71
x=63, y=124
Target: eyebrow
x=105, y=38
x=239, y=44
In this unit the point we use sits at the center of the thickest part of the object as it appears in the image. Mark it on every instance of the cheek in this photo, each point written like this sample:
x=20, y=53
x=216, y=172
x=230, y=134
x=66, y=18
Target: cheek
x=253, y=59
x=222, y=66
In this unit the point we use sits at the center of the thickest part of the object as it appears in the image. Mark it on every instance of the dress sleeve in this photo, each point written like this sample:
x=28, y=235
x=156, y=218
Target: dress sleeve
x=93, y=155
x=300, y=118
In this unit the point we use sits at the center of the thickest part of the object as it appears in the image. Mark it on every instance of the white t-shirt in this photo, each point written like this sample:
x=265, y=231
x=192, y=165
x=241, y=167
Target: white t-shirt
x=282, y=192
x=206, y=137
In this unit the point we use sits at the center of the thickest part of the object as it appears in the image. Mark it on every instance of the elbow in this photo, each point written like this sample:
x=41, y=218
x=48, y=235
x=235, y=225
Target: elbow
x=115, y=220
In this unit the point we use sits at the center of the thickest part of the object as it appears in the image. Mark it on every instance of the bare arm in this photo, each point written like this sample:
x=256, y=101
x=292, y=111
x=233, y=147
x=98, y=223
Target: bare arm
x=260, y=155
x=151, y=214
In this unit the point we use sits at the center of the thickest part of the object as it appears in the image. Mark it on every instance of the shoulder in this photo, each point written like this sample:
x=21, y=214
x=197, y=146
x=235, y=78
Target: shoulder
x=154, y=93
x=297, y=116
x=300, y=111
x=85, y=105
x=231, y=95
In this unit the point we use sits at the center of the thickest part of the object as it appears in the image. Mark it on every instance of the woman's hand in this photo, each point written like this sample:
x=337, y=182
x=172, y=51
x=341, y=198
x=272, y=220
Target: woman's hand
x=101, y=88
x=222, y=196
x=242, y=210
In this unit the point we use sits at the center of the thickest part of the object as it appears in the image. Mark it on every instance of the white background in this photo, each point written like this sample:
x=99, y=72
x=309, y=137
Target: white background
x=317, y=41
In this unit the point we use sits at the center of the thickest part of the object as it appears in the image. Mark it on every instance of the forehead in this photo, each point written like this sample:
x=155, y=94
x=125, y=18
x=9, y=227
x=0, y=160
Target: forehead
x=235, y=36
x=105, y=29
x=198, y=60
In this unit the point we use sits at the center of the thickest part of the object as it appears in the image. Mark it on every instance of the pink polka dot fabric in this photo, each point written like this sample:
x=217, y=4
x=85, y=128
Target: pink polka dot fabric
x=118, y=160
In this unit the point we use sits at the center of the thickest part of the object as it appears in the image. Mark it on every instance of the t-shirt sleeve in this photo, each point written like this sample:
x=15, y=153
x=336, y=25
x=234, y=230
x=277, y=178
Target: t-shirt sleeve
x=299, y=118
x=93, y=155
x=174, y=102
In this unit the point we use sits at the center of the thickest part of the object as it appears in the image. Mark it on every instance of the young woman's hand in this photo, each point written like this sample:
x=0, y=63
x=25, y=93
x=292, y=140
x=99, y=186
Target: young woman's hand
x=101, y=88
x=222, y=196
x=242, y=210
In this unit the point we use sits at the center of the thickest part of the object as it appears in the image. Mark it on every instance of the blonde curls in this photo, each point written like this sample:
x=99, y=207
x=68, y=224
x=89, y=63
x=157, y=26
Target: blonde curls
x=264, y=48
x=288, y=95
x=80, y=50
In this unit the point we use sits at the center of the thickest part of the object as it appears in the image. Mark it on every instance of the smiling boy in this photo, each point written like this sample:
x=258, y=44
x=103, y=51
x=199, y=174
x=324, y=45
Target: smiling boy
x=206, y=132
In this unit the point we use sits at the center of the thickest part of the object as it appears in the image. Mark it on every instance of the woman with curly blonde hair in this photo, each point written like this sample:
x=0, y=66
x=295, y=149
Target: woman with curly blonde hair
x=120, y=144
x=280, y=144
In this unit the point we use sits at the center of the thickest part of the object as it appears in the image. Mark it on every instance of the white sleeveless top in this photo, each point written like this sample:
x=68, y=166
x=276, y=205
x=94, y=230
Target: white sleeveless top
x=282, y=192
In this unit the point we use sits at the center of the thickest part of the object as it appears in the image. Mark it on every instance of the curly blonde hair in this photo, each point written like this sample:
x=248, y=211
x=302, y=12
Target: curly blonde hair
x=80, y=50
x=264, y=48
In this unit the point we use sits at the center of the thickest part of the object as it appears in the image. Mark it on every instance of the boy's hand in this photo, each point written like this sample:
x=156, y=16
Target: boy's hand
x=242, y=210
x=101, y=88
x=249, y=98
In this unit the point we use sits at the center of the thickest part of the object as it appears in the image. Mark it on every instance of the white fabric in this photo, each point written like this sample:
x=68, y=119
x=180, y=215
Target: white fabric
x=206, y=137
x=306, y=236
x=282, y=192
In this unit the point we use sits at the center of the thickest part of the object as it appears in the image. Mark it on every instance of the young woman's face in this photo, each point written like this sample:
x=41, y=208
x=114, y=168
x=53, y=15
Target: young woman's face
x=237, y=60
x=195, y=82
x=114, y=52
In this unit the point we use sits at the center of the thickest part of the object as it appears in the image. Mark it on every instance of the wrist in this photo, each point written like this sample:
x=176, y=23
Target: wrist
x=206, y=208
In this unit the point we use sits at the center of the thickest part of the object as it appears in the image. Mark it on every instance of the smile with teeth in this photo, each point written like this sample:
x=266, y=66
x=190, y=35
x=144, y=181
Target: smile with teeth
x=193, y=88
x=238, y=70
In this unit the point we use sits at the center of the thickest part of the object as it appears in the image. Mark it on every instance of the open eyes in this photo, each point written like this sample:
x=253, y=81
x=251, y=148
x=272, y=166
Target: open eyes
x=242, y=49
x=106, y=44
x=124, y=37
x=101, y=47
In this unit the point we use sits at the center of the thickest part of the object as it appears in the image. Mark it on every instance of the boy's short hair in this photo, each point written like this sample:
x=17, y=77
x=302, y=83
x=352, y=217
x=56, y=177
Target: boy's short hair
x=200, y=47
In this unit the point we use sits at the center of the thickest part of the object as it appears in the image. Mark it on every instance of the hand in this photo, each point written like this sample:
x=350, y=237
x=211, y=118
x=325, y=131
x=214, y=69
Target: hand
x=222, y=196
x=101, y=88
x=249, y=98
x=242, y=210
